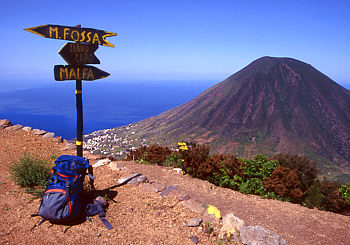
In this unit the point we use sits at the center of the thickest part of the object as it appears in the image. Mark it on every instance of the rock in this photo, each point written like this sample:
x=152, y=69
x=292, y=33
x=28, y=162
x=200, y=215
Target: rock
x=116, y=166
x=5, y=123
x=231, y=224
x=214, y=210
x=178, y=170
x=100, y=199
x=27, y=128
x=101, y=162
x=258, y=235
x=57, y=139
x=39, y=131
x=152, y=187
x=194, y=222
x=209, y=218
x=13, y=128
x=127, y=179
x=194, y=239
x=175, y=192
x=137, y=180
x=170, y=191
x=183, y=197
x=49, y=135
x=194, y=205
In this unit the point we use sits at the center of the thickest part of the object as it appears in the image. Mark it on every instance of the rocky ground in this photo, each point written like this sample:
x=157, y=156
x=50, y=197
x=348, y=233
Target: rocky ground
x=145, y=214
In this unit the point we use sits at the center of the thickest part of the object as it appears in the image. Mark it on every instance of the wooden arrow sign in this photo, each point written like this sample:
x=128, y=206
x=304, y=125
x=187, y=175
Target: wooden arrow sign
x=87, y=73
x=85, y=35
x=79, y=53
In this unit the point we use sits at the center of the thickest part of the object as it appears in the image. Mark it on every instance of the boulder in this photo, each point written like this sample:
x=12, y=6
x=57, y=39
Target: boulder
x=5, y=123
x=231, y=224
x=13, y=128
x=152, y=187
x=39, y=132
x=175, y=192
x=258, y=235
x=194, y=239
x=100, y=199
x=101, y=162
x=194, y=222
x=49, y=135
x=27, y=128
x=57, y=139
x=194, y=205
x=116, y=166
x=137, y=180
x=127, y=179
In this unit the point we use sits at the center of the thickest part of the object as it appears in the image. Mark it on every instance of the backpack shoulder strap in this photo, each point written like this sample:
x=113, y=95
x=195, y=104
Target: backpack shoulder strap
x=91, y=176
x=105, y=222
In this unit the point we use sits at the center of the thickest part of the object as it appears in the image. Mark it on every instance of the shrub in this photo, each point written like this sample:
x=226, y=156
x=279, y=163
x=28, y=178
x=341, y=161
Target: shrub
x=331, y=199
x=253, y=186
x=344, y=191
x=314, y=195
x=174, y=160
x=284, y=182
x=153, y=154
x=260, y=167
x=306, y=169
x=137, y=154
x=197, y=161
x=156, y=154
x=31, y=173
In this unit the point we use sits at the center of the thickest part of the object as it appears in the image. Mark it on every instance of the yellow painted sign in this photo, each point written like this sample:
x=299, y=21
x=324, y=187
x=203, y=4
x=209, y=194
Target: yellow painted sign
x=182, y=146
x=87, y=73
x=84, y=35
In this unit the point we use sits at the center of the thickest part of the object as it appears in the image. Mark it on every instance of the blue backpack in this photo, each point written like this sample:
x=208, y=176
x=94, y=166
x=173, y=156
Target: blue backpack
x=62, y=202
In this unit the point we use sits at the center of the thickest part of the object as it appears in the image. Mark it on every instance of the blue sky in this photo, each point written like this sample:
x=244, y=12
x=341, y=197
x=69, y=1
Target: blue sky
x=180, y=40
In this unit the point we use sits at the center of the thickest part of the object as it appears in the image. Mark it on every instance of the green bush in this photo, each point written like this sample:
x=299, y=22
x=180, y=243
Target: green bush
x=174, y=160
x=344, y=191
x=31, y=173
x=260, y=167
x=314, y=195
x=253, y=186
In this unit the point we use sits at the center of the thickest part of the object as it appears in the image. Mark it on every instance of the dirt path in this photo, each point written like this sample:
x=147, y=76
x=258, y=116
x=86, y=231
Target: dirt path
x=297, y=224
x=140, y=218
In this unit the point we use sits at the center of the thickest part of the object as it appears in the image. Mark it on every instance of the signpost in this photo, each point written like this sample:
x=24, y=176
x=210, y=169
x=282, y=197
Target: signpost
x=77, y=55
x=81, y=72
x=77, y=34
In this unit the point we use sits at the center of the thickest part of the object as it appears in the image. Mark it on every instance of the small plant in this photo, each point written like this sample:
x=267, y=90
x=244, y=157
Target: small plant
x=174, y=160
x=344, y=191
x=31, y=173
x=207, y=228
x=54, y=155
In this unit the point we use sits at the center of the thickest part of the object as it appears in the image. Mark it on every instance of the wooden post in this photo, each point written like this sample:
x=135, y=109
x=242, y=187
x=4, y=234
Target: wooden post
x=79, y=102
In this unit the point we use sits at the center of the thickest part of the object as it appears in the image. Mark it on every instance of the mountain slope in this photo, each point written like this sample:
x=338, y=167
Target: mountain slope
x=272, y=105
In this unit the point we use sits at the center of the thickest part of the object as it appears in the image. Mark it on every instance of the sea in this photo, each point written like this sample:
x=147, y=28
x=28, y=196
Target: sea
x=51, y=105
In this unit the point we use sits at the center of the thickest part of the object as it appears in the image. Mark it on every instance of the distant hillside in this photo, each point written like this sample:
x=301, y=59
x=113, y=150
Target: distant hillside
x=273, y=105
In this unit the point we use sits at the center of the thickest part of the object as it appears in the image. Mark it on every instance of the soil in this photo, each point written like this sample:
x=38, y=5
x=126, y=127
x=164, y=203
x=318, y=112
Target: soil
x=145, y=218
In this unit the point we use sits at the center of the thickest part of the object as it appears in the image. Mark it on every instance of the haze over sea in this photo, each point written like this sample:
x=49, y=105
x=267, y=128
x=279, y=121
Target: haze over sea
x=51, y=105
